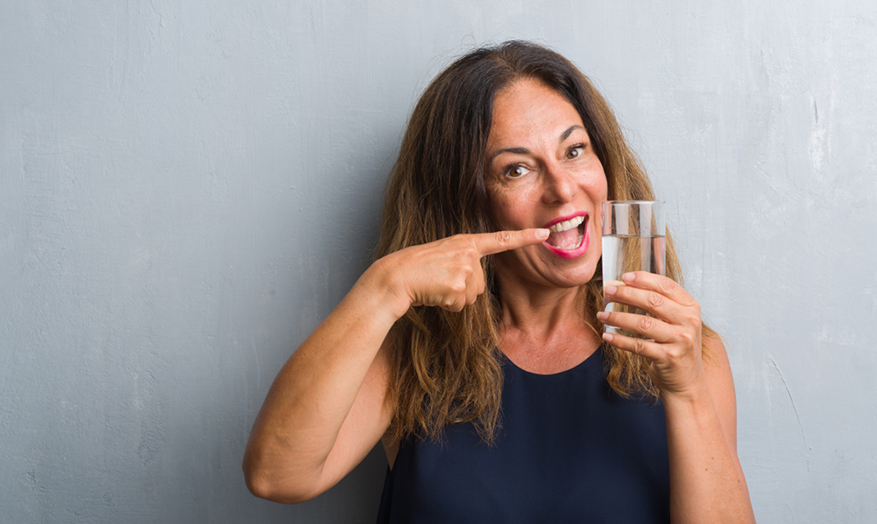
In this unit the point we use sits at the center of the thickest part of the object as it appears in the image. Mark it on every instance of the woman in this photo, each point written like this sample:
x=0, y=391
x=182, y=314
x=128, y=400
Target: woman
x=472, y=347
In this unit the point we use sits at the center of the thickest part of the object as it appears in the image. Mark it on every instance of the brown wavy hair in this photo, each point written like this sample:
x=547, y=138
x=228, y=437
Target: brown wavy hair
x=446, y=367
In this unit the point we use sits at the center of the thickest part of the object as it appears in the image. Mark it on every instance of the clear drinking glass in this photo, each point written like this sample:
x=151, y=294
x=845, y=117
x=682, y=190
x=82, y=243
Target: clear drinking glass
x=633, y=240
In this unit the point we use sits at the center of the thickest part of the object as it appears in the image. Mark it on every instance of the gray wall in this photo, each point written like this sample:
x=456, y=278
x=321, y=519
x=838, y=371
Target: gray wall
x=187, y=188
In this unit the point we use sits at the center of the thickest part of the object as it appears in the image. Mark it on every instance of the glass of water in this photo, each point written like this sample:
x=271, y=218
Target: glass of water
x=633, y=240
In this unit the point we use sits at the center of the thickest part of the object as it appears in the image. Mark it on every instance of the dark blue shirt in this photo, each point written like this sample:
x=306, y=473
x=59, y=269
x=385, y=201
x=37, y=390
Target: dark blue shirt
x=570, y=450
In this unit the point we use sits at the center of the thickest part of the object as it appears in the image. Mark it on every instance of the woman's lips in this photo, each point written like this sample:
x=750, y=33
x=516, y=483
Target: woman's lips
x=558, y=240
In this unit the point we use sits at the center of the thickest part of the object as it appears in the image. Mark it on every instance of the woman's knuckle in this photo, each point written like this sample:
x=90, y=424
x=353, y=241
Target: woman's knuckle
x=687, y=338
x=645, y=323
x=503, y=238
x=453, y=303
x=693, y=319
x=638, y=345
x=667, y=285
x=656, y=299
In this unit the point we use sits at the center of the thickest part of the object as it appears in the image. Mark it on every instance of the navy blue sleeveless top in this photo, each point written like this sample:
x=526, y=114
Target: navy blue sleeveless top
x=570, y=450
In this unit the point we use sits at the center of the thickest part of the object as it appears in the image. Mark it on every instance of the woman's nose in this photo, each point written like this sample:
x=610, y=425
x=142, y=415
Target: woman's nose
x=559, y=186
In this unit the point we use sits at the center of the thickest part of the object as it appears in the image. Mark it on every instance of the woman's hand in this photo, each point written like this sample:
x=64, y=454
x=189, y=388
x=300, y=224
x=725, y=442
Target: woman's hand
x=327, y=407
x=707, y=481
x=674, y=329
x=447, y=273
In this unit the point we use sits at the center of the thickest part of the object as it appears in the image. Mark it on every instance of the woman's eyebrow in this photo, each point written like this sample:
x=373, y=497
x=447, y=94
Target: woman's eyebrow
x=515, y=150
x=525, y=151
x=569, y=131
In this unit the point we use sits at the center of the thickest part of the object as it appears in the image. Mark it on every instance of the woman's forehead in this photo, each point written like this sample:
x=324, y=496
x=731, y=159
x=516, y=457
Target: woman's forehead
x=529, y=108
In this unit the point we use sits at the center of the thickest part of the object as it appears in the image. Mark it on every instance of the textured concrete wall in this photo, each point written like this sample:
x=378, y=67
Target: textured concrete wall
x=187, y=188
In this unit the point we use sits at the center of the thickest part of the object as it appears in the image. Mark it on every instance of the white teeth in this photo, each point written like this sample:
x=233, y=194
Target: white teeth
x=567, y=224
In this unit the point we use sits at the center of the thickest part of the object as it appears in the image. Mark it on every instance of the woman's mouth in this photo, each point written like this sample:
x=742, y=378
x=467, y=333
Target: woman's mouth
x=567, y=234
x=568, y=238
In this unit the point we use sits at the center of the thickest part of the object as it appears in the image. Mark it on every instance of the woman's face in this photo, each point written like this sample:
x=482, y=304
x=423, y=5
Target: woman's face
x=543, y=172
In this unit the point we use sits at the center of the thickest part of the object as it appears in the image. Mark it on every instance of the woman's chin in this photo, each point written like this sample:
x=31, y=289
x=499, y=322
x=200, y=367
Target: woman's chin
x=570, y=276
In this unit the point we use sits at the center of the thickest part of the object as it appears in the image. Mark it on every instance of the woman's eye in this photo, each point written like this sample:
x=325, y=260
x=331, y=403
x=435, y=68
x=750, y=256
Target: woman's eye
x=575, y=151
x=516, y=171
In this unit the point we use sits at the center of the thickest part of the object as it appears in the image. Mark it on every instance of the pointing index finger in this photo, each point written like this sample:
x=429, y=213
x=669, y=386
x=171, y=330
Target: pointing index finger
x=492, y=243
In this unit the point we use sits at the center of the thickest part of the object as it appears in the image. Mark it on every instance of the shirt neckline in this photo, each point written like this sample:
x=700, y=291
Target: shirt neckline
x=581, y=365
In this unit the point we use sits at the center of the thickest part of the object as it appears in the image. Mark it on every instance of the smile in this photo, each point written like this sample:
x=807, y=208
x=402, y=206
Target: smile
x=563, y=241
x=569, y=236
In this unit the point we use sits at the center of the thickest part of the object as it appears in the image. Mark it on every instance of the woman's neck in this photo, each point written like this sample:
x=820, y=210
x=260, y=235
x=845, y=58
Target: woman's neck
x=546, y=331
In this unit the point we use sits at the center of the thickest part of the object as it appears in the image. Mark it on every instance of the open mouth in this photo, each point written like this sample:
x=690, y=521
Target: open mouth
x=568, y=234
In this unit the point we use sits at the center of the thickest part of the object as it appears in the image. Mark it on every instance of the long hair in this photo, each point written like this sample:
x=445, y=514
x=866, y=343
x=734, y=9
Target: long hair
x=446, y=367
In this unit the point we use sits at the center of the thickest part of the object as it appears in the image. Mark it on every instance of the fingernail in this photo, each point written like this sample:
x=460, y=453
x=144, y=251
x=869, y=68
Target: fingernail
x=628, y=277
x=610, y=290
x=602, y=316
x=542, y=233
x=607, y=337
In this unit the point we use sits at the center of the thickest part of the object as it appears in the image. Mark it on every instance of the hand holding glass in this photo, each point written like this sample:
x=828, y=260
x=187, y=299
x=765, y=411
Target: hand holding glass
x=633, y=240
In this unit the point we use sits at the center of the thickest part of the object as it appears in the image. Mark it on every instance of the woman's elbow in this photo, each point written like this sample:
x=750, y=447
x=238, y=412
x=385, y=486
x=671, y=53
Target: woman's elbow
x=265, y=486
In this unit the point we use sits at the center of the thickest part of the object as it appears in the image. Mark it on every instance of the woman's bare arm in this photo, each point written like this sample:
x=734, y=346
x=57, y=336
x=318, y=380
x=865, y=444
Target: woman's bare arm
x=326, y=409
x=706, y=482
